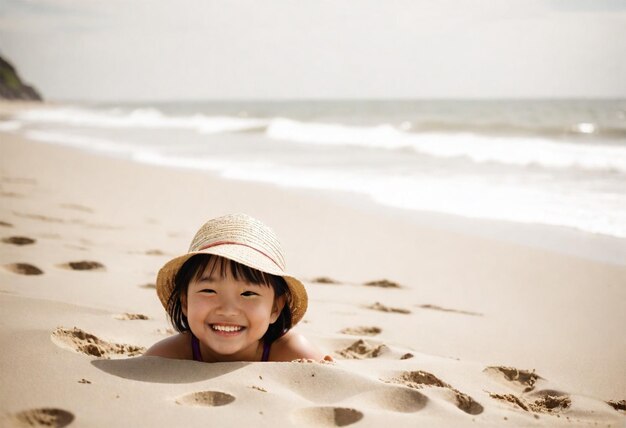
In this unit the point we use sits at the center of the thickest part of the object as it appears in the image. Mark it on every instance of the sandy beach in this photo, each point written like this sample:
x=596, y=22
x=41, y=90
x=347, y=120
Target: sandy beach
x=428, y=325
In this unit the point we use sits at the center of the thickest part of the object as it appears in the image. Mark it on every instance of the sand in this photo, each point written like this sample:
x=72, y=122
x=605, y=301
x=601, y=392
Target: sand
x=428, y=325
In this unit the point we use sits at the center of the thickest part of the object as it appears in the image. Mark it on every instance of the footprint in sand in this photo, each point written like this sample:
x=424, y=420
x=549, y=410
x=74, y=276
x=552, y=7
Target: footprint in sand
x=44, y=417
x=83, y=265
x=550, y=400
x=617, y=405
x=420, y=379
x=361, y=331
x=150, y=285
x=88, y=344
x=326, y=416
x=522, y=380
x=131, y=317
x=396, y=399
x=511, y=399
x=380, y=307
x=545, y=401
x=18, y=240
x=23, y=269
x=361, y=349
x=206, y=398
x=324, y=280
x=383, y=283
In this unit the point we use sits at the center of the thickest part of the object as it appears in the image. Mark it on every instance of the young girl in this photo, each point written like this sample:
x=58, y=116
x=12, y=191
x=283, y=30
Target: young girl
x=230, y=298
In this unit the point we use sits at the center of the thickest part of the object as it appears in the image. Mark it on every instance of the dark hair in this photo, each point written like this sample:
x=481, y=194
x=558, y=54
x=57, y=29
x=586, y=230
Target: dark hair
x=195, y=266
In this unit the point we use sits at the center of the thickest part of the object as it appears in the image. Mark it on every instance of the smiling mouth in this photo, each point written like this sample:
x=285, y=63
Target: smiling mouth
x=226, y=329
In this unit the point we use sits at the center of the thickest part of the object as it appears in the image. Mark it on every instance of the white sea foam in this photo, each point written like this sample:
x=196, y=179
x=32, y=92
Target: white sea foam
x=585, y=128
x=468, y=196
x=140, y=153
x=465, y=195
x=479, y=148
x=10, y=125
x=579, y=185
x=519, y=151
x=138, y=118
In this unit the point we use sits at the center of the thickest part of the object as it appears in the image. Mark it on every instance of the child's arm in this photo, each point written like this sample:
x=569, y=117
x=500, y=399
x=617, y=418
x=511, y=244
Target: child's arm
x=294, y=346
x=177, y=347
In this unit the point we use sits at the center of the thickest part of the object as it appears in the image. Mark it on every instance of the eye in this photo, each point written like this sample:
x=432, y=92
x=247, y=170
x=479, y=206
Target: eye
x=249, y=293
x=207, y=291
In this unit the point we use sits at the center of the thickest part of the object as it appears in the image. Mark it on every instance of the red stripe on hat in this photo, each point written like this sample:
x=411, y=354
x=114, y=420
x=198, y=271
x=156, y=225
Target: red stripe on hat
x=215, y=244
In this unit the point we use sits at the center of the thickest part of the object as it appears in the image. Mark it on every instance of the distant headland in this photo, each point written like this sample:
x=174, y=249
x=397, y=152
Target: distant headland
x=12, y=87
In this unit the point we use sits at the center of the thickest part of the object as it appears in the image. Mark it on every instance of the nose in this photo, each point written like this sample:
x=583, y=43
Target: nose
x=227, y=307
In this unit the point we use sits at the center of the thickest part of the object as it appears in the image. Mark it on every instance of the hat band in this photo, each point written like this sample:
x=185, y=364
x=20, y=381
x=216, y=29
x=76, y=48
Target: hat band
x=215, y=244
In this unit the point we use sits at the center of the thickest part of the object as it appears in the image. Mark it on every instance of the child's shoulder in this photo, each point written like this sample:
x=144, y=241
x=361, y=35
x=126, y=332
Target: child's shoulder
x=177, y=346
x=293, y=346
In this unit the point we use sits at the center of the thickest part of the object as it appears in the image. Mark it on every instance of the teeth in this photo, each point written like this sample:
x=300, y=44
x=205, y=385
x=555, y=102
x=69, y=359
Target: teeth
x=226, y=327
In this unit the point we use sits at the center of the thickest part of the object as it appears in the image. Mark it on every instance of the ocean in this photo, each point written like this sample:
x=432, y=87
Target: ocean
x=542, y=162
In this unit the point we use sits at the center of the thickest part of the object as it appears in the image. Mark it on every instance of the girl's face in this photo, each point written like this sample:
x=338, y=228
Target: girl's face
x=228, y=316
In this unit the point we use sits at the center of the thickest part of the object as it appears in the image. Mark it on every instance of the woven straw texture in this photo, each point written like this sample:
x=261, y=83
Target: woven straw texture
x=245, y=240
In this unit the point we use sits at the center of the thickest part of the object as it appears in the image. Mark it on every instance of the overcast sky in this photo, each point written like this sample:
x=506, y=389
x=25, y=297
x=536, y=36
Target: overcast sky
x=274, y=49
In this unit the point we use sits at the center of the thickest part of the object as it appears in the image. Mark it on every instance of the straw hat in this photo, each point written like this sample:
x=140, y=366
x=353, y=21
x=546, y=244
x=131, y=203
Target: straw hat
x=245, y=240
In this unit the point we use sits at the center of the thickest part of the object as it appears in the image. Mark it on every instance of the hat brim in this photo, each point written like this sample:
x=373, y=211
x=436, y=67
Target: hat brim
x=245, y=256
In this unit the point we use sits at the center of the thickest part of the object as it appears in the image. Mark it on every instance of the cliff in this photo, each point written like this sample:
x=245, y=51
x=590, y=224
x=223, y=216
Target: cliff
x=12, y=87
